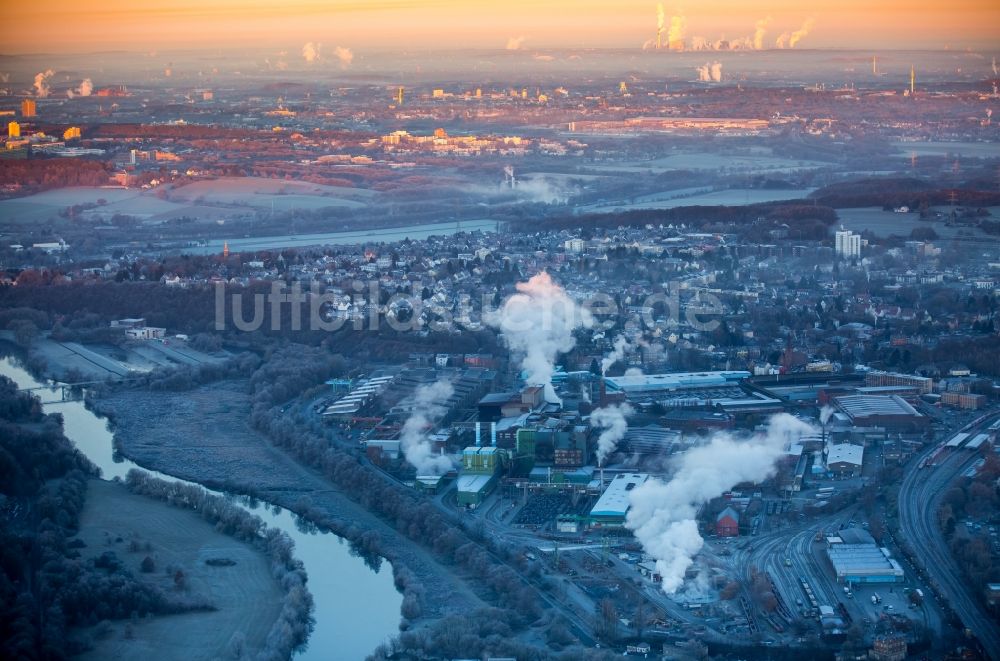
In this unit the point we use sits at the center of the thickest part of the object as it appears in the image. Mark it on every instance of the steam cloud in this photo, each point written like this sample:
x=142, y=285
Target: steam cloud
x=41, y=84
x=759, y=31
x=799, y=34
x=86, y=88
x=620, y=346
x=675, y=35
x=662, y=514
x=710, y=72
x=825, y=413
x=310, y=51
x=515, y=43
x=344, y=55
x=428, y=406
x=611, y=419
x=537, y=324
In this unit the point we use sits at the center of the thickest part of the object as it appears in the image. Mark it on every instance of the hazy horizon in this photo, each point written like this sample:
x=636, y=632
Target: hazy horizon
x=425, y=25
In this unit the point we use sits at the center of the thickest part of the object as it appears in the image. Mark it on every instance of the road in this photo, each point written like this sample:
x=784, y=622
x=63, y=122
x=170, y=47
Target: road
x=920, y=498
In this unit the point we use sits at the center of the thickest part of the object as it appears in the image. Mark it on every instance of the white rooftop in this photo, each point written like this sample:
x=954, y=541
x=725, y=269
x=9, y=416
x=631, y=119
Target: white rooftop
x=845, y=453
x=615, y=499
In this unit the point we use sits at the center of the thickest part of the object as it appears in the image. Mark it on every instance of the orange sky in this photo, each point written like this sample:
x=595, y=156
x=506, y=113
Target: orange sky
x=83, y=25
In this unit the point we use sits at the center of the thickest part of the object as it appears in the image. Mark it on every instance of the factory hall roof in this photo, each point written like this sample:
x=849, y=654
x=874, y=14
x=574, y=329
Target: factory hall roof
x=845, y=453
x=863, y=406
x=673, y=381
x=615, y=499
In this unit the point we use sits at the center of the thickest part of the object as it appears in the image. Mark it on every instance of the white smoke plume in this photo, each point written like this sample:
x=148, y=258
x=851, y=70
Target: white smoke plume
x=344, y=56
x=41, y=84
x=610, y=419
x=825, y=413
x=710, y=72
x=86, y=88
x=699, y=43
x=542, y=190
x=5, y=77
x=662, y=514
x=620, y=346
x=675, y=35
x=428, y=406
x=633, y=371
x=799, y=34
x=537, y=324
x=515, y=43
x=310, y=51
x=760, y=29
x=782, y=40
x=659, y=22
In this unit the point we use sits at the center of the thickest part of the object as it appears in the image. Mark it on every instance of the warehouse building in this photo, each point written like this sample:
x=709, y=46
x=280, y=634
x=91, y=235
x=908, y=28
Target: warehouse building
x=651, y=385
x=857, y=559
x=921, y=384
x=480, y=469
x=890, y=412
x=720, y=391
x=844, y=458
x=610, y=509
x=727, y=524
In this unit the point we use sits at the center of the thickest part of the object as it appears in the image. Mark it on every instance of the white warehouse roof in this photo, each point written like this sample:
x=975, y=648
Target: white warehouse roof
x=615, y=499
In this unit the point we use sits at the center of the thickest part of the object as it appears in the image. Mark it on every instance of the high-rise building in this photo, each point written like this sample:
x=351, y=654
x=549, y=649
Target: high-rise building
x=13, y=130
x=847, y=243
x=28, y=108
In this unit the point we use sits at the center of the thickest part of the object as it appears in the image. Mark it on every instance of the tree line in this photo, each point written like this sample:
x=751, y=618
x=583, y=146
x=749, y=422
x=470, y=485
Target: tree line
x=46, y=587
x=291, y=630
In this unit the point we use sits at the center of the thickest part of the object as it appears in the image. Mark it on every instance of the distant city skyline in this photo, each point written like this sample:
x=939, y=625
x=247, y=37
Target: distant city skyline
x=60, y=26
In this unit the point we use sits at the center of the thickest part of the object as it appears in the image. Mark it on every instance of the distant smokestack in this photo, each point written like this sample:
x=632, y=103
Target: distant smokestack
x=479, y=439
x=493, y=434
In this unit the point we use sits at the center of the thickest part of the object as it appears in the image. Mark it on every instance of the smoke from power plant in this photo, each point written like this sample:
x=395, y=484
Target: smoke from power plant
x=675, y=34
x=662, y=514
x=611, y=420
x=618, y=350
x=515, y=43
x=310, y=51
x=537, y=324
x=801, y=33
x=760, y=30
x=710, y=72
x=41, y=83
x=344, y=56
x=428, y=406
x=86, y=88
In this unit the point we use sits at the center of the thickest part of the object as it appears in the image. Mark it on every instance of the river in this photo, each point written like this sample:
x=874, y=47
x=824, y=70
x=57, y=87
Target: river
x=351, y=237
x=356, y=608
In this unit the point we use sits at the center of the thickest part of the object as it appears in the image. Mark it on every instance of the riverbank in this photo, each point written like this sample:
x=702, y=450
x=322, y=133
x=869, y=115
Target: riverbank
x=245, y=597
x=166, y=432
